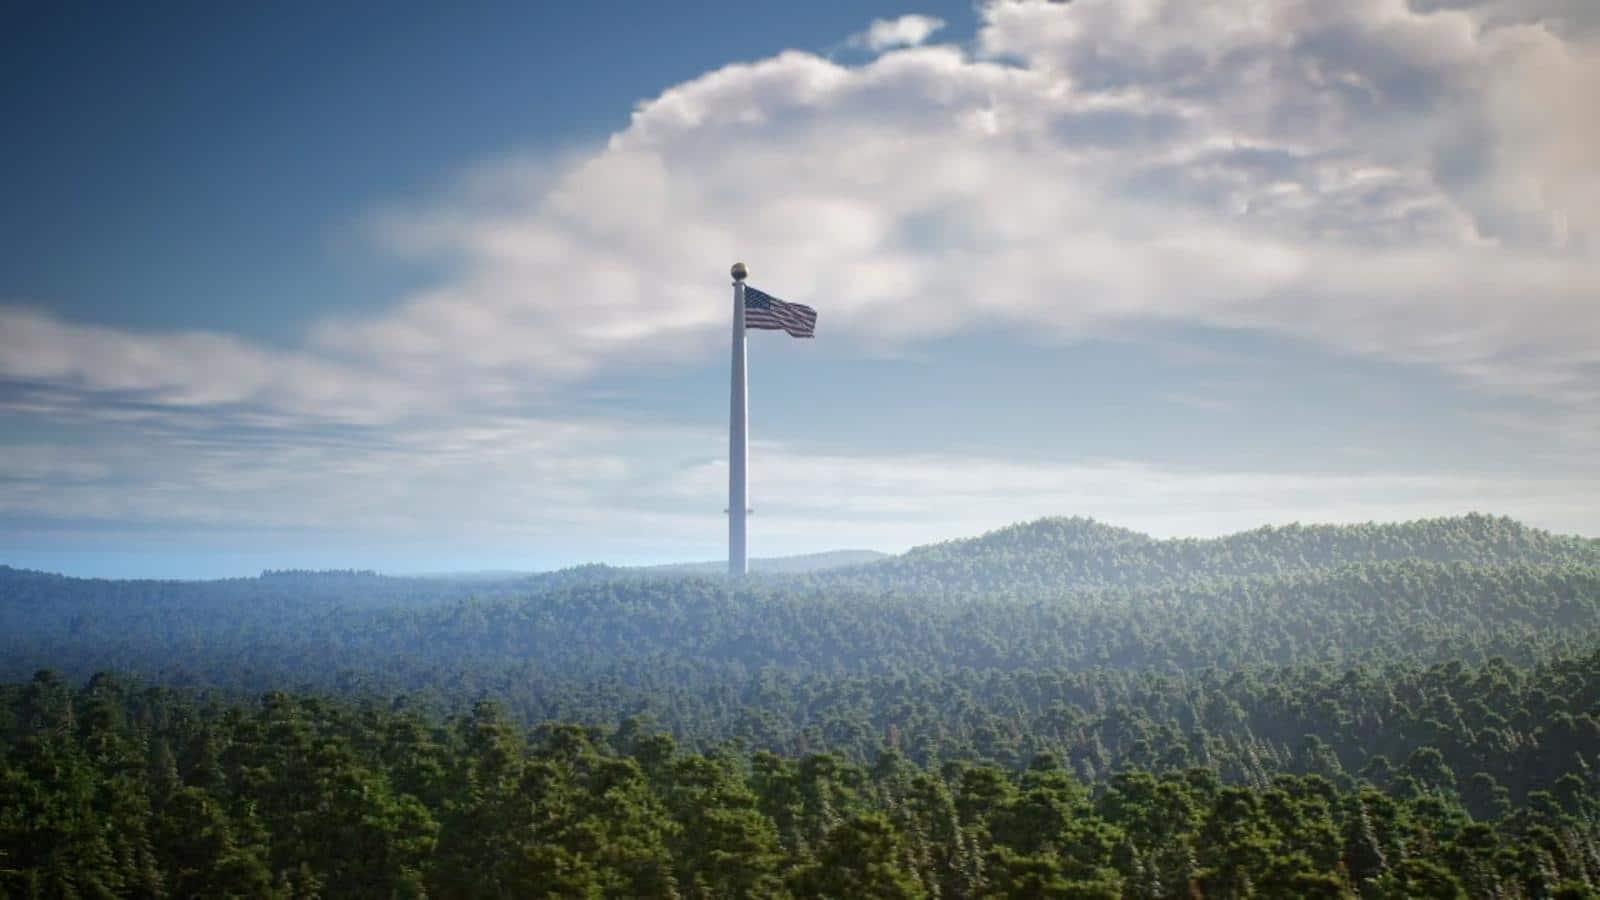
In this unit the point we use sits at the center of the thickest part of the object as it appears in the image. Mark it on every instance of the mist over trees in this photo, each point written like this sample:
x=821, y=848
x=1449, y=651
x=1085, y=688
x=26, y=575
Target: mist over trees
x=1056, y=709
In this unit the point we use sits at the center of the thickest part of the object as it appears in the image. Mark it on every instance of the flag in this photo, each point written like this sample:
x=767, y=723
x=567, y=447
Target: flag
x=763, y=310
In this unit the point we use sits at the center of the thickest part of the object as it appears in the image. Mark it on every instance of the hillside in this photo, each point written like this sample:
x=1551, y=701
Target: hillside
x=1050, y=555
x=1064, y=595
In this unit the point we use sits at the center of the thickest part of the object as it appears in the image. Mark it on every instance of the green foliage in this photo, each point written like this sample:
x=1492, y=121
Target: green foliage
x=302, y=796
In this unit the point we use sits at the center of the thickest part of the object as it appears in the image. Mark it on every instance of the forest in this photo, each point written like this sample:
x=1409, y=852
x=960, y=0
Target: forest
x=1056, y=709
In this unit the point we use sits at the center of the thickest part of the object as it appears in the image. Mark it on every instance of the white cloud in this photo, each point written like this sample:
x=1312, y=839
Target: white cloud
x=905, y=31
x=1412, y=185
x=1363, y=176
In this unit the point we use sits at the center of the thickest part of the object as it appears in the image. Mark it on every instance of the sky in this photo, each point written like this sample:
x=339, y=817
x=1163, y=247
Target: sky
x=428, y=288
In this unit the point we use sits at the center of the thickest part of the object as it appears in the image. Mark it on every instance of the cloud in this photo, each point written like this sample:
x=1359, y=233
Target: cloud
x=69, y=365
x=1409, y=183
x=905, y=31
x=556, y=491
x=1371, y=178
x=1572, y=18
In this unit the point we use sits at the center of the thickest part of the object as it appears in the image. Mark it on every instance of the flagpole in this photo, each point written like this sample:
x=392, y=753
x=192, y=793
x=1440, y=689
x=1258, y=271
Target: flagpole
x=738, y=435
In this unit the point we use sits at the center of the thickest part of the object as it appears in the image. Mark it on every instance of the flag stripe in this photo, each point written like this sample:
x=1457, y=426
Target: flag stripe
x=762, y=310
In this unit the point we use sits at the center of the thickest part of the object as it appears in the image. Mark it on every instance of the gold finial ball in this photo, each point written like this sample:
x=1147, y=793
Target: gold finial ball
x=739, y=272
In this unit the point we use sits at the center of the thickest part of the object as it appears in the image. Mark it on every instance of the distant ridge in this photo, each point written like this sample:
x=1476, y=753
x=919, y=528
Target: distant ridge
x=1062, y=553
x=1053, y=552
x=1065, y=596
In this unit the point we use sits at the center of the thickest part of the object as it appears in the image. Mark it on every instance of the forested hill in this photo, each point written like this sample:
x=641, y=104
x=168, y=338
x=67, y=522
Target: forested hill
x=1043, y=556
x=1059, y=592
x=1067, y=553
x=1063, y=594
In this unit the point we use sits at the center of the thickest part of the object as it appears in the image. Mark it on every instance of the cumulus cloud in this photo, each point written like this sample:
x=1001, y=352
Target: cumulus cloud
x=1410, y=184
x=1415, y=183
x=905, y=31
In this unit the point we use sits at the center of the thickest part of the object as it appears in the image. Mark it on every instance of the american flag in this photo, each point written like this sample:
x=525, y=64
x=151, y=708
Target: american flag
x=763, y=310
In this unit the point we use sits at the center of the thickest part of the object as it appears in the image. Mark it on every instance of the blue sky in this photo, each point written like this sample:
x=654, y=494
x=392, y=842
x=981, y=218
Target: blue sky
x=423, y=290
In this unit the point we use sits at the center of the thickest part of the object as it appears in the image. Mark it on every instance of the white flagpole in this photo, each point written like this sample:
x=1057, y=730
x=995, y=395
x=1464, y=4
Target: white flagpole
x=738, y=435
